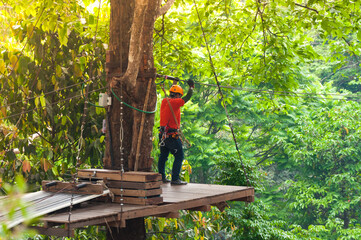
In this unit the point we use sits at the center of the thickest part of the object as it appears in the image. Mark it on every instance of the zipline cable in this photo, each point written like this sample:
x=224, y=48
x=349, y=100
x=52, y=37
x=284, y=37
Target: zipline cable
x=266, y=91
x=62, y=100
x=50, y=92
x=221, y=94
x=90, y=103
x=310, y=95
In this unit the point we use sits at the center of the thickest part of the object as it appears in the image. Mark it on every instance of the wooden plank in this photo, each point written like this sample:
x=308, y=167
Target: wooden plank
x=139, y=201
x=187, y=204
x=245, y=199
x=117, y=224
x=168, y=215
x=202, y=188
x=221, y=206
x=141, y=176
x=70, y=187
x=59, y=232
x=50, y=225
x=94, y=221
x=133, y=185
x=136, y=193
x=99, y=174
x=92, y=211
x=118, y=176
x=205, y=208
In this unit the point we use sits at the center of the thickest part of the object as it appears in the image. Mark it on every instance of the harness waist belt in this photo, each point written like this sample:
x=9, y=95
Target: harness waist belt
x=170, y=130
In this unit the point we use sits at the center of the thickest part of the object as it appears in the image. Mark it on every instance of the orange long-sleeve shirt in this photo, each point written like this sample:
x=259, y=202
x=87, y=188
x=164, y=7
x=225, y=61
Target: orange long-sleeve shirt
x=166, y=116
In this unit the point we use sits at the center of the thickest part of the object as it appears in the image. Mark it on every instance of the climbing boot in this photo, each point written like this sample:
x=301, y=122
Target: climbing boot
x=178, y=182
x=165, y=180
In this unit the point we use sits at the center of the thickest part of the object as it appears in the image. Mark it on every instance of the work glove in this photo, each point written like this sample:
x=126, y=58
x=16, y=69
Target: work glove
x=190, y=83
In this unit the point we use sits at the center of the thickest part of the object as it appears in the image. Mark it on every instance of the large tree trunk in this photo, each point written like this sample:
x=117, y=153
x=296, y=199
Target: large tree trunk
x=131, y=73
x=134, y=90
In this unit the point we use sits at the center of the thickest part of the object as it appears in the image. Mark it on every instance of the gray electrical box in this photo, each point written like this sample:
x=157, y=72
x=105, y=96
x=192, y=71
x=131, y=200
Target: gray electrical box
x=104, y=100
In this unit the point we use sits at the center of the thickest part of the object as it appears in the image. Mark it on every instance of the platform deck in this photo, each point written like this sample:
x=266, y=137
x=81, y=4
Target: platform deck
x=191, y=196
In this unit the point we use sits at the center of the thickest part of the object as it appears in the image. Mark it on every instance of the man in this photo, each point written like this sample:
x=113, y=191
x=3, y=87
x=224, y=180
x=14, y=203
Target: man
x=170, y=117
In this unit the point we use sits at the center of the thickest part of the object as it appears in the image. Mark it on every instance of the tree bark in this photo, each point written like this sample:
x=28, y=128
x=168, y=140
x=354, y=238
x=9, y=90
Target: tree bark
x=130, y=83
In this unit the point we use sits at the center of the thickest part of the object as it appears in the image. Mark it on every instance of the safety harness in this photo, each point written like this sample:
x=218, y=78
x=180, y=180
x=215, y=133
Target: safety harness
x=167, y=132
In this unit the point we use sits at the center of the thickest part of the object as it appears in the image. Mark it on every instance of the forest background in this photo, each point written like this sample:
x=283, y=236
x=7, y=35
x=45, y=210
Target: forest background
x=294, y=72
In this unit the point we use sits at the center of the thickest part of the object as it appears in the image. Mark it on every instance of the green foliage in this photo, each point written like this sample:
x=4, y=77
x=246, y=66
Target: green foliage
x=41, y=83
x=190, y=225
x=10, y=207
x=253, y=222
x=300, y=153
x=324, y=147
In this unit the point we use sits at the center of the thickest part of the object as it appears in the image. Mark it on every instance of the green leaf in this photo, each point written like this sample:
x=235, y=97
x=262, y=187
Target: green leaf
x=58, y=71
x=63, y=120
x=77, y=70
x=42, y=101
x=37, y=101
x=63, y=35
x=82, y=60
x=359, y=35
x=91, y=19
x=23, y=64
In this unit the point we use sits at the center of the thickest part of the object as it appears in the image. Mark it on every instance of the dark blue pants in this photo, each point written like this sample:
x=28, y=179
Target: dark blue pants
x=173, y=146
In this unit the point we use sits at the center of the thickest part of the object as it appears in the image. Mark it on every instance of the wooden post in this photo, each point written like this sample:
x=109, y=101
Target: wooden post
x=134, y=230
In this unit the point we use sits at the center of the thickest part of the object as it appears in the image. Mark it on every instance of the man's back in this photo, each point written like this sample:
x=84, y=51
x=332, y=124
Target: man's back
x=166, y=115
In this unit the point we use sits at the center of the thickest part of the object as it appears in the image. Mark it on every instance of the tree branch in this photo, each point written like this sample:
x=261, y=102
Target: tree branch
x=135, y=47
x=342, y=68
x=164, y=9
x=312, y=9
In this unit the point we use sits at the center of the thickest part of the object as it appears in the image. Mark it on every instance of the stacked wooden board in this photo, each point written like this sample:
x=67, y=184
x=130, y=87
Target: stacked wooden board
x=139, y=188
x=83, y=187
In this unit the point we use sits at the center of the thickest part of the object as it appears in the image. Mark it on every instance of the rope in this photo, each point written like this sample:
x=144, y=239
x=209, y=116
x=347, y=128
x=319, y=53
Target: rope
x=126, y=104
x=221, y=94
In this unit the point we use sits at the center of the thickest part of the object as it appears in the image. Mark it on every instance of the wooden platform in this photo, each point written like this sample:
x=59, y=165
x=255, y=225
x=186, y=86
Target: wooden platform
x=191, y=196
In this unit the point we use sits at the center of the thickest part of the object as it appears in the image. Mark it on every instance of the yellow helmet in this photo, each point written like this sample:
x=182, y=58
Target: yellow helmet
x=176, y=89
